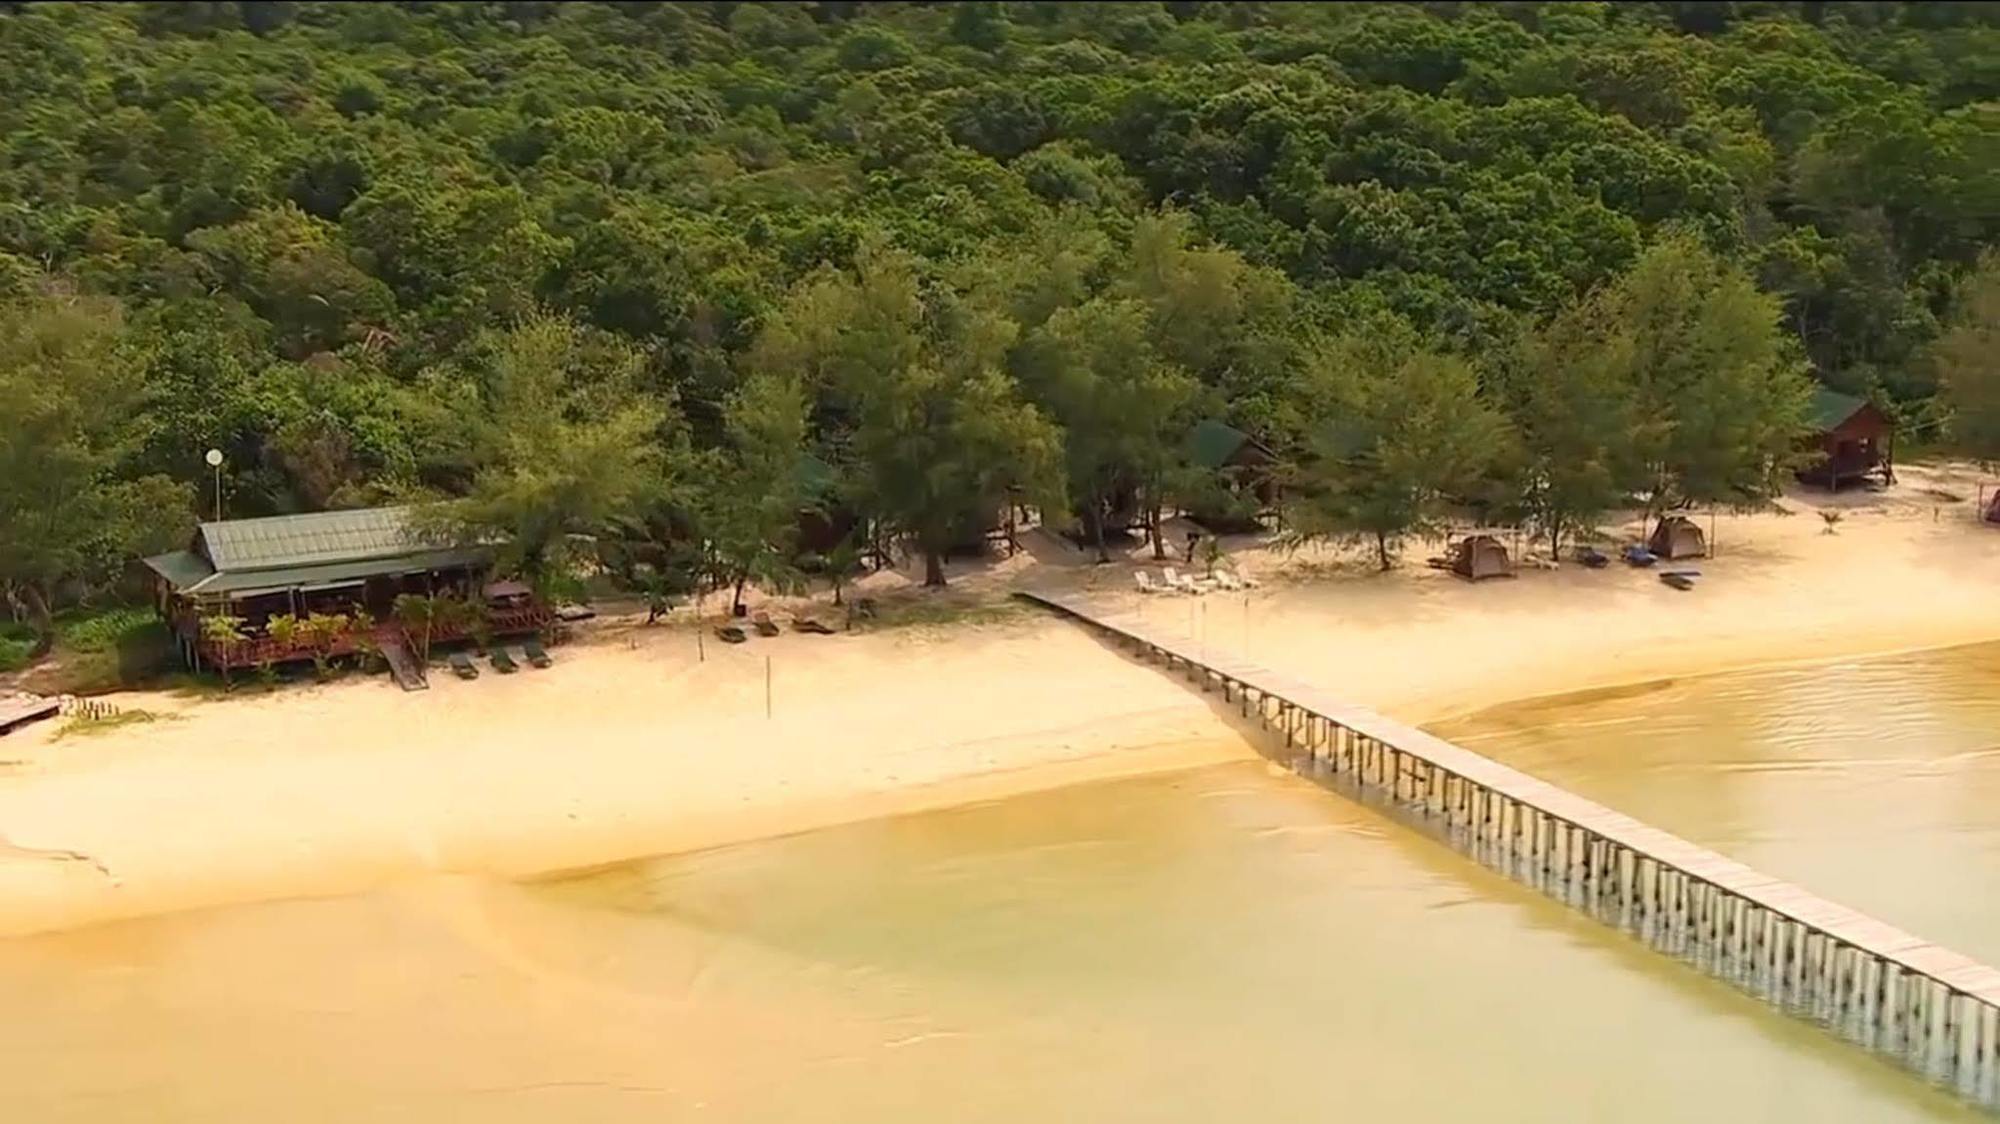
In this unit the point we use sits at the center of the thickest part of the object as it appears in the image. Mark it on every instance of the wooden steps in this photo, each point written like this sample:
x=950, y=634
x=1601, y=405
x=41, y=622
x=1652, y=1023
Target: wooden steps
x=403, y=663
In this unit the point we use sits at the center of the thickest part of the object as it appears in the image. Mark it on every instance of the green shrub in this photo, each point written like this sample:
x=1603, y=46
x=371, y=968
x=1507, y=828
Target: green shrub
x=101, y=630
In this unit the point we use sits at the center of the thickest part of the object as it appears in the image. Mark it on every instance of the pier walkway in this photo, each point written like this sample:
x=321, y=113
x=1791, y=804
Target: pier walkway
x=1897, y=994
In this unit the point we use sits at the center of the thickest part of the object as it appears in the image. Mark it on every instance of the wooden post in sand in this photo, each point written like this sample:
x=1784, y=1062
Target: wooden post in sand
x=767, y=686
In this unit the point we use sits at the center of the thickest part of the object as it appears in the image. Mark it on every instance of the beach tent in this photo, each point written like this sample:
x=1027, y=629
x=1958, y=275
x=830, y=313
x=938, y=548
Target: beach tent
x=1481, y=556
x=1678, y=537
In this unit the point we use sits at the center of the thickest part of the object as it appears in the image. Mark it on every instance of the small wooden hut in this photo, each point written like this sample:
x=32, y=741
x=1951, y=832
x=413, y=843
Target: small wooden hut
x=1245, y=470
x=1678, y=537
x=1853, y=441
x=826, y=520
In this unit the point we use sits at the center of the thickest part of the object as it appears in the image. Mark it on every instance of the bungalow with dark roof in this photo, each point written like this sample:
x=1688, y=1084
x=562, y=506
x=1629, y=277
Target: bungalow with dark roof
x=1245, y=474
x=1854, y=441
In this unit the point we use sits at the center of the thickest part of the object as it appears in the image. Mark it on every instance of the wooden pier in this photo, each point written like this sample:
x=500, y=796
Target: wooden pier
x=1926, y=1006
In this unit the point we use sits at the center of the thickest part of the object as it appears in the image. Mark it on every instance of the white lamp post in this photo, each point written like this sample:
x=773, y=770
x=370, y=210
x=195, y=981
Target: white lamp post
x=214, y=459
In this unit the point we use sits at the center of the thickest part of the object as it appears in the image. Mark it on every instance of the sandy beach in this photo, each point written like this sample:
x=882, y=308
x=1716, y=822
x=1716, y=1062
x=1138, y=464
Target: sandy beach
x=639, y=742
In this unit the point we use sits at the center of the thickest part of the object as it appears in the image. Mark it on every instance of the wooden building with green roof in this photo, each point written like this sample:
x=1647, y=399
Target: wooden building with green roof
x=1853, y=440
x=1244, y=471
x=346, y=564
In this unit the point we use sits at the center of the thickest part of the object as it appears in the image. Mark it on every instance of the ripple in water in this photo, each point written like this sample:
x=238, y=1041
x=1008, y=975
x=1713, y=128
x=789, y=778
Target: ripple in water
x=1874, y=783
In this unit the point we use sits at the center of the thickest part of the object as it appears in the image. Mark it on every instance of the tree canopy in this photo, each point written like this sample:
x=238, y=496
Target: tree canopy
x=558, y=263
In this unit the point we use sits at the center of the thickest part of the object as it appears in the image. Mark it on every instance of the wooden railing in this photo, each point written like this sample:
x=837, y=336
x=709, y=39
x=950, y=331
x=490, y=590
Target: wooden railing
x=256, y=651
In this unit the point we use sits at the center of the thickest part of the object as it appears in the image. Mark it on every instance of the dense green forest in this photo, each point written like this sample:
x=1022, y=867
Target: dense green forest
x=636, y=282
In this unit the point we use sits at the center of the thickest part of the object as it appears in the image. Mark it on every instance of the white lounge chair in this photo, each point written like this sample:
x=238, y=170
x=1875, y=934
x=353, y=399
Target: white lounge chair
x=1226, y=580
x=1183, y=582
x=1145, y=582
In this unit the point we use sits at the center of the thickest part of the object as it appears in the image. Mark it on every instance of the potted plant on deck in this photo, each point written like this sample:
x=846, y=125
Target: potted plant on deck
x=225, y=633
x=322, y=631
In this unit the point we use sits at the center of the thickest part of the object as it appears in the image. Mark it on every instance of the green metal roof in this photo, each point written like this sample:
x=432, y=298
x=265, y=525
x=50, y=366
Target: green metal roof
x=242, y=556
x=244, y=582
x=816, y=477
x=181, y=568
x=307, y=540
x=1830, y=408
x=1211, y=443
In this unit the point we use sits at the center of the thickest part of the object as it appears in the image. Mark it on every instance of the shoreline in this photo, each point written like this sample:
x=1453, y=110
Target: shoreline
x=1749, y=666
x=634, y=744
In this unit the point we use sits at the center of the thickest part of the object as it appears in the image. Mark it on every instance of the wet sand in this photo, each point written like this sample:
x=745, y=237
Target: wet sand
x=1222, y=943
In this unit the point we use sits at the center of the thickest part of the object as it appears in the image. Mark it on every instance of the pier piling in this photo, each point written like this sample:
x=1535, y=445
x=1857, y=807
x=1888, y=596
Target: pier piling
x=1925, y=1006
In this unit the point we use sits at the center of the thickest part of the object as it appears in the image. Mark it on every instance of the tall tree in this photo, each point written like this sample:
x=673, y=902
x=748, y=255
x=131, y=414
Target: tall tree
x=1216, y=316
x=750, y=513
x=1574, y=402
x=1717, y=375
x=1396, y=430
x=1122, y=407
x=71, y=417
x=1967, y=360
x=562, y=448
x=937, y=433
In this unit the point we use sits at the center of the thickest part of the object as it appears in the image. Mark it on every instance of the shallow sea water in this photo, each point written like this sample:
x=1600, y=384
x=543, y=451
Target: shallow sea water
x=1220, y=944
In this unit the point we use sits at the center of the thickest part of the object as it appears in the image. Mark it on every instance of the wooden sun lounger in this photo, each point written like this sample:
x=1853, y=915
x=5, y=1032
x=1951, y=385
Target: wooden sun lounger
x=813, y=625
x=731, y=633
x=502, y=662
x=765, y=625
x=463, y=665
x=535, y=653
